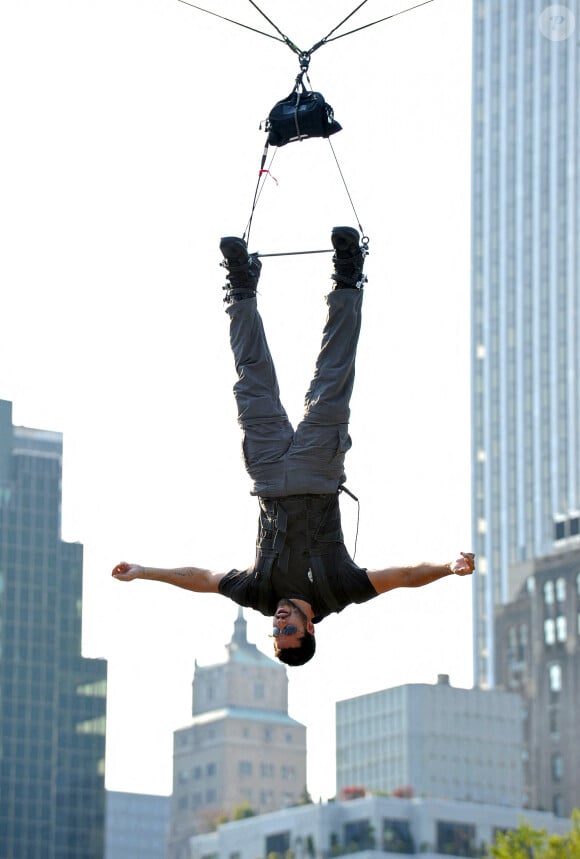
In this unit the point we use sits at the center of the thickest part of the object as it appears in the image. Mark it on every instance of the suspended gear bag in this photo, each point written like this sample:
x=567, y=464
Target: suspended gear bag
x=302, y=114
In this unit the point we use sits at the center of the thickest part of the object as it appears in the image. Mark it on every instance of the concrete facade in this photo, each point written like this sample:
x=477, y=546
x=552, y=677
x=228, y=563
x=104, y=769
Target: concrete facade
x=463, y=744
x=366, y=827
x=137, y=826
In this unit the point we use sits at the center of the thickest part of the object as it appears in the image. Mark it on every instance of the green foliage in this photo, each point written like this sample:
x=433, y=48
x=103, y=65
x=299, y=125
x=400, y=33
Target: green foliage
x=528, y=843
x=242, y=811
x=305, y=798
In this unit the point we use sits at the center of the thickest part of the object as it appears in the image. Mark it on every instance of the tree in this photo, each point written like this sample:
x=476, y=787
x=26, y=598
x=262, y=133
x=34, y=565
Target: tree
x=304, y=798
x=528, y=843
x=243, y=810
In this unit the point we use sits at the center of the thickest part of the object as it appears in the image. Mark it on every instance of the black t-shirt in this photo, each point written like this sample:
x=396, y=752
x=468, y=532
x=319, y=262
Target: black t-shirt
x=300, y=555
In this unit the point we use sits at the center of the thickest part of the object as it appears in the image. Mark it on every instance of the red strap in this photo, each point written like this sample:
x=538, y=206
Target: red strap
x=269, y=174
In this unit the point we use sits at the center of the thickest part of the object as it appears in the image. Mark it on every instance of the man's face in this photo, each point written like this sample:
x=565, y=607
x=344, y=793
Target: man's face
x=291, y=624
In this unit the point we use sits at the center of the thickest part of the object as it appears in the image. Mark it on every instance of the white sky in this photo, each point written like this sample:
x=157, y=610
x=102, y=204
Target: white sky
x=130, y=144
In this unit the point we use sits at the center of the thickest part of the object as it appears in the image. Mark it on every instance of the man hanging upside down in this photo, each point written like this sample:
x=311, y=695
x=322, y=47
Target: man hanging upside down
x=302, y=571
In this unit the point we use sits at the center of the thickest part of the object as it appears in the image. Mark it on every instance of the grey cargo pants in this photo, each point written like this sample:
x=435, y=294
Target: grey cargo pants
x=282, y=461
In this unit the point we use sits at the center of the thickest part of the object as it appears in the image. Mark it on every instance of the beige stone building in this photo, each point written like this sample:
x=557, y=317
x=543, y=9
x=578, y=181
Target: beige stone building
x=241, y=749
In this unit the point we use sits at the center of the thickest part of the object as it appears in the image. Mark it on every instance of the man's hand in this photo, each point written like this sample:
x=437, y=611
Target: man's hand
x=127, y=572
x=463, y=566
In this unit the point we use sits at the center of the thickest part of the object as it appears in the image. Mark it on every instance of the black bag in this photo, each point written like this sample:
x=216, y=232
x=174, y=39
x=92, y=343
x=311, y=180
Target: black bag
x=303, y=114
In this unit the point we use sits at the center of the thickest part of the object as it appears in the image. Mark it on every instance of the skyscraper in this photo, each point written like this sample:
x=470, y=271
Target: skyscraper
x=525, y=296
x=52, y=701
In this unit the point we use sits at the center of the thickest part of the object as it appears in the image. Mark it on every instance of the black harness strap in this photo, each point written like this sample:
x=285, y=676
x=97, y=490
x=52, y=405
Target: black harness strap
x=342, y=488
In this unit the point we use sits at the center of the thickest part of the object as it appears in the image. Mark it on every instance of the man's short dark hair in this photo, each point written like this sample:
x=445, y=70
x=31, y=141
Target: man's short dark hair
x=299, y=655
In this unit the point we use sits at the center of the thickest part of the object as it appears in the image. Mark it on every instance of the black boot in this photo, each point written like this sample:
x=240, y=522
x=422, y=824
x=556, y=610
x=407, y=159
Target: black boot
x=348, y=258
x=243, y=269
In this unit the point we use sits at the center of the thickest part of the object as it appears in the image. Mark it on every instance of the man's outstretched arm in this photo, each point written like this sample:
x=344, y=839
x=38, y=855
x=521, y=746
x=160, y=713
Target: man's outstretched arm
x=190, y=578
x=420, y=574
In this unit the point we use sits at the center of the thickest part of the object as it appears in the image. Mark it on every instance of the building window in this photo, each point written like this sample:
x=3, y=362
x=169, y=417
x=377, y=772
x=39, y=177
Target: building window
x=557, y=767
x=554, y=728
x=561, y=628
x=455, y=838
x=511, y=644
x=561, y=589
x=210, y=769
x=549, y=593
x=558, y=805
x=549, y=631
x=578, y=584
x=397, y=837
x=358, y=835
x=258, y=691
x=278, y=842
x=245, y=768
x=555, y=672
x=196, y=773
x=522, y=642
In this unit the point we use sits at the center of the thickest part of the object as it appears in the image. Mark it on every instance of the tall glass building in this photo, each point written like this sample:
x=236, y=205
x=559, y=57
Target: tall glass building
x=525, y=295
x=52, y=701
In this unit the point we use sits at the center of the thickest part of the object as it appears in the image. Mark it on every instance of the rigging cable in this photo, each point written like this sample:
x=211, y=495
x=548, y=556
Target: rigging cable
x=293, y=47
x=304, y=59
x=230, y=20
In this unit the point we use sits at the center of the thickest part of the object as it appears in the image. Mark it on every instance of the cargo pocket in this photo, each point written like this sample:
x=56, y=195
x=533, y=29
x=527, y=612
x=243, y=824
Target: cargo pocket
x=265, y=443
x=344, y=442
